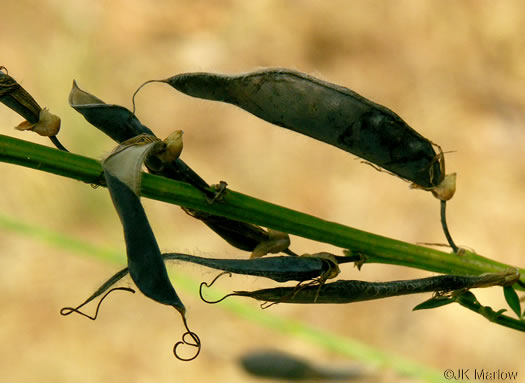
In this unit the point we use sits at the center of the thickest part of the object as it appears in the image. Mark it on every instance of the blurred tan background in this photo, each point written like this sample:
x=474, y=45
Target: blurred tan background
x=454, y=70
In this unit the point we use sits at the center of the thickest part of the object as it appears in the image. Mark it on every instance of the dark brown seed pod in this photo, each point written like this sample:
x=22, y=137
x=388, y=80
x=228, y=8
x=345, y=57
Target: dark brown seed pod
x=279, y=269
x=327, y=112
x=357, y=291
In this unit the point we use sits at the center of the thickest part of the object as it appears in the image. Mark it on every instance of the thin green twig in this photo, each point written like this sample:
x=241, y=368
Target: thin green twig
x=470, y=302
x=299, y=329
x=374, y=248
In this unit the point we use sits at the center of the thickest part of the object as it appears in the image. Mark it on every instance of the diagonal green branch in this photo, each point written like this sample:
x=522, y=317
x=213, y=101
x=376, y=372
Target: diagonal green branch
x=323, y=338
x=374, y=248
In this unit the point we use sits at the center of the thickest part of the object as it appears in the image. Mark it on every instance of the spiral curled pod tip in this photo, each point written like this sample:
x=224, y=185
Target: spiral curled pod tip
x=68, y=310
x=196, y=342
x=208, y=285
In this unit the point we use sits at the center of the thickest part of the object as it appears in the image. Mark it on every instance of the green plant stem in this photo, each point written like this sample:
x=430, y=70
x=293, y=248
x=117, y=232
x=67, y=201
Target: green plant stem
x=487, y=312
x=374, y=248
x=323, y=338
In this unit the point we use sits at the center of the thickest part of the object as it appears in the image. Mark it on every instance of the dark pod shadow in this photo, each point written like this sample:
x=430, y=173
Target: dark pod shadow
x=277, y=365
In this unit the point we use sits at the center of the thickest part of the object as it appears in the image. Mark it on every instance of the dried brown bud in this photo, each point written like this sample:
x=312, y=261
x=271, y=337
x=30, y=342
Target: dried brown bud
x=277, y=242
x=18, y=99
x=174, y=146
x=446, y=189
x=48, y=124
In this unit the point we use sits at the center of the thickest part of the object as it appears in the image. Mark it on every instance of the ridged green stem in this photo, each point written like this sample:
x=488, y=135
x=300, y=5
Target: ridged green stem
x=374, y=248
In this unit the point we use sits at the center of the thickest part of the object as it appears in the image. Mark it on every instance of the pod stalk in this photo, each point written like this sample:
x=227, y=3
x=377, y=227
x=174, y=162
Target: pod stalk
x=445, y=227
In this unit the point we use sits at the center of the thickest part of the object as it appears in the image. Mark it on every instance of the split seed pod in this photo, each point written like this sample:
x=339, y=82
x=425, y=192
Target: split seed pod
x=122, y=171
x=146, y=267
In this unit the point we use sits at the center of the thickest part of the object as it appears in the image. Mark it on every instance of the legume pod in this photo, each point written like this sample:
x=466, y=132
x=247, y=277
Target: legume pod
x=145, y=263
x=357, y=291
x=327, y=112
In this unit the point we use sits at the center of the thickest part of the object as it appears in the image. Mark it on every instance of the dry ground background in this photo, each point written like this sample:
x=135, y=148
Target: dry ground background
x=454, y=70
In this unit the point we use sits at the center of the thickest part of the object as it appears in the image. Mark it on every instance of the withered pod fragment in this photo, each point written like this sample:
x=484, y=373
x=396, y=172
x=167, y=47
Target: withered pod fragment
x=38, y=120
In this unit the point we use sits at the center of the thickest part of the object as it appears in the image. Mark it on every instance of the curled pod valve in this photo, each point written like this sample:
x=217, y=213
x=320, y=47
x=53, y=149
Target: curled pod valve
x=122, y=171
